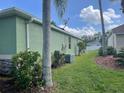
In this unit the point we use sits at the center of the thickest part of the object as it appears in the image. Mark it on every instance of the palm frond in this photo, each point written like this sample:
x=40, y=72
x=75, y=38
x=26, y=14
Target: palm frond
x=60, y=7
x=113, y=0
x=122, y=4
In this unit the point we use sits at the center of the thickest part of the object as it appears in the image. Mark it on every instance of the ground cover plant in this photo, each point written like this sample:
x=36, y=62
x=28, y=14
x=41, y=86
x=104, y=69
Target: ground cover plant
x=109, y=51
x=120, y=56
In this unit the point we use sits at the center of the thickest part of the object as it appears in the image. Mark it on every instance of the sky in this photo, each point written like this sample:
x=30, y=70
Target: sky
x=84, y=17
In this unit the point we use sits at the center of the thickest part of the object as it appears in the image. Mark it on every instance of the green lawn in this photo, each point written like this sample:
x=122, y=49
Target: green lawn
x=84, y=76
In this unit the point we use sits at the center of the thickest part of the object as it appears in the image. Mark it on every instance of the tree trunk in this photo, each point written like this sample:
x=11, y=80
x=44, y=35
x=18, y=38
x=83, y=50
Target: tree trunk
x=104, y=46
x=46, y=66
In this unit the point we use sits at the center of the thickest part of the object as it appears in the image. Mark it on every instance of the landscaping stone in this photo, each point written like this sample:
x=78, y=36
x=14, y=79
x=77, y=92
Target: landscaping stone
x=7, y=85
x=5, y=67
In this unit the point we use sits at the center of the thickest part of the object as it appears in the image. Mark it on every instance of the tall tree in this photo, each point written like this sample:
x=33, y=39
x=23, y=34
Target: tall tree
x=46, y=65
x=122, y=4
x=104, y=45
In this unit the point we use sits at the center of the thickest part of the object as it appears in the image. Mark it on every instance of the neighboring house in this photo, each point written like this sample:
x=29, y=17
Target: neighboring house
x=20, y=31
x=116, y=39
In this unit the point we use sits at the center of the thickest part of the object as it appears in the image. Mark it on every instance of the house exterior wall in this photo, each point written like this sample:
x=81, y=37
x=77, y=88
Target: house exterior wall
x=74, y=47
x=7, y=36
x=58, y=39
x=20, y=34
x=120, y=41
x=116, y=41
x=112, y=40
x=35, y=37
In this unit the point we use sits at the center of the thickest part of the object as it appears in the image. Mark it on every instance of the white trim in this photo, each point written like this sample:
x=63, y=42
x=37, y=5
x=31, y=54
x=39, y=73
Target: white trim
x=5, y=56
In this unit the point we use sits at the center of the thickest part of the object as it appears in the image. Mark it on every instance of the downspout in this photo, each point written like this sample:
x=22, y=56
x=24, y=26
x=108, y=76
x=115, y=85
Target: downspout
x=27, y=34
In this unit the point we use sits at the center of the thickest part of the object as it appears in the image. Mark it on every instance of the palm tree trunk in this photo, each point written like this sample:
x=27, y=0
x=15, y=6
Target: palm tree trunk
x=46, y=66
x=104, y=46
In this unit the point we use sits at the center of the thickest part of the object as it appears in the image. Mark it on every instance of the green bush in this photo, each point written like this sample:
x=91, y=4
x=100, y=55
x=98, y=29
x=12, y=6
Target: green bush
x=110, y=51
x=57, y=59
x=120, y=55
x=120, y=61
x=82, y=47
x=100, y=52
x=27, y=69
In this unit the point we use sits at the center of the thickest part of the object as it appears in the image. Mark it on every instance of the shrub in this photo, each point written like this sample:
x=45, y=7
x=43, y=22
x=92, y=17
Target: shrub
x=57, y=59
x=100, y=52
x=110, y=51
x=120, y=61
x=121, y=57
x=121, y=53
x=82, y=46
x=27, y=69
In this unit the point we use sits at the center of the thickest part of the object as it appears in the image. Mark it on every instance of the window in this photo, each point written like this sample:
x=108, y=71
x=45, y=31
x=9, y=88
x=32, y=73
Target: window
x=69, y=39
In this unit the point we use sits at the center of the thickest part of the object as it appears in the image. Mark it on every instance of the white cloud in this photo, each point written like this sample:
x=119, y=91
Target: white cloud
x=92, y=15
x=111, y=13
x=90, y=31
x=112, y=26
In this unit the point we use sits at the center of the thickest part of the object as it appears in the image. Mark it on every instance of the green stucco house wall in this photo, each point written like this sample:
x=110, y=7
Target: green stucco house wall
x=20, y=31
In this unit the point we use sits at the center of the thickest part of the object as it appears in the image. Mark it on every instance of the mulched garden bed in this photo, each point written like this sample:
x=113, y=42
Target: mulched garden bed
x=109, y=62
x=7, y=86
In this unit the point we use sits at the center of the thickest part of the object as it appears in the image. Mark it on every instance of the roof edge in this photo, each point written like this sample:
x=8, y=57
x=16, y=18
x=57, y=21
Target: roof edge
x=25, y=15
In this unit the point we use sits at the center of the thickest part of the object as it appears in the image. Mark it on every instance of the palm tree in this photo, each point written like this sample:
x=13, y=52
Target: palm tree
x=122, y=4
x=103, y=29
x=46, y=65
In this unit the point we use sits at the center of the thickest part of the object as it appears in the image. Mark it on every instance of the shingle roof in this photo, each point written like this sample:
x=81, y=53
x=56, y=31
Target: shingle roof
x=119, y=29
x=18, y=12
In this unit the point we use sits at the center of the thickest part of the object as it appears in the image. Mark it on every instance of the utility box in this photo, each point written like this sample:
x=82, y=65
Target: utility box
x=69, y=58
